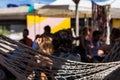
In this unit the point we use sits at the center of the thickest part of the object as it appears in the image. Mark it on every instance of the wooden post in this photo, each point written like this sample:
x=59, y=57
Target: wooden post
x=77, y=19
x=108, y=26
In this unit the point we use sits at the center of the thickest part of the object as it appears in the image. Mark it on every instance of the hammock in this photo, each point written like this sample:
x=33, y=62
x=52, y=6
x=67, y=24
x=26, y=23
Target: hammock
x=20, y=60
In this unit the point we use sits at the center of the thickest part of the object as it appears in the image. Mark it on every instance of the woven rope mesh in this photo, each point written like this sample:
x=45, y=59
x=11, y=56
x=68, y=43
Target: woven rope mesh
x=21, y=61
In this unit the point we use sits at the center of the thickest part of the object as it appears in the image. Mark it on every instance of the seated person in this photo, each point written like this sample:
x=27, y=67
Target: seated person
x=26, y=40
x=36, y=42
x=46, y=46
x=96, y=53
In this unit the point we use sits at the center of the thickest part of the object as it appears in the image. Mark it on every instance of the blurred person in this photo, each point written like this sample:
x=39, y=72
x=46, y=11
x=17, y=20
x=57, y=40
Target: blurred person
x=46, y=46
x=26, y=40
x=113, y=38
x=98, y=51
x=115, y=34
x=85, y=38
x=47, y=31
x=63, y=46
x=36, y=42
x=96, y=54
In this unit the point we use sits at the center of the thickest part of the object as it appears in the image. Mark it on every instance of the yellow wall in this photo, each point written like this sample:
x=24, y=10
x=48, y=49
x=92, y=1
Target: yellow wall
x=116, y=23
x=36, y=24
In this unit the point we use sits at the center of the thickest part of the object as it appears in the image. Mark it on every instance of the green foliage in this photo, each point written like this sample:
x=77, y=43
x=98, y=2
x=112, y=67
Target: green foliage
x=3, y=30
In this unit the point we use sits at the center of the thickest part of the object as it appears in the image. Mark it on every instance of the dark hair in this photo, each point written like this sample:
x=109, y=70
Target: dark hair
x=115, y=34
x=85, y=30
x=95, y=33
x=26, y=30
x=62, y=41
x=37, y=36
x=47, y=28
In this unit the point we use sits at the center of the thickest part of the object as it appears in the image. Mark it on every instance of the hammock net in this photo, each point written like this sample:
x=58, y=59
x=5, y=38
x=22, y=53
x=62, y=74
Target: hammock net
x=22, y=61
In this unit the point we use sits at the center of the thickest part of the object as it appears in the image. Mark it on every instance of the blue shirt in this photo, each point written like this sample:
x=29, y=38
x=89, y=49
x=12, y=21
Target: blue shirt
x=35, y=45
x=95, y=52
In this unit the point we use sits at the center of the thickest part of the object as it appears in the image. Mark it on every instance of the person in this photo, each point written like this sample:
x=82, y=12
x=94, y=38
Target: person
x=47, y=31
x=104, y=50
x=46, y=46
x=85, y=38
x=63, y=47
x=114, y=39
x=36, y=42
x=97, y=54
x=115, y=34
x=26, y=40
